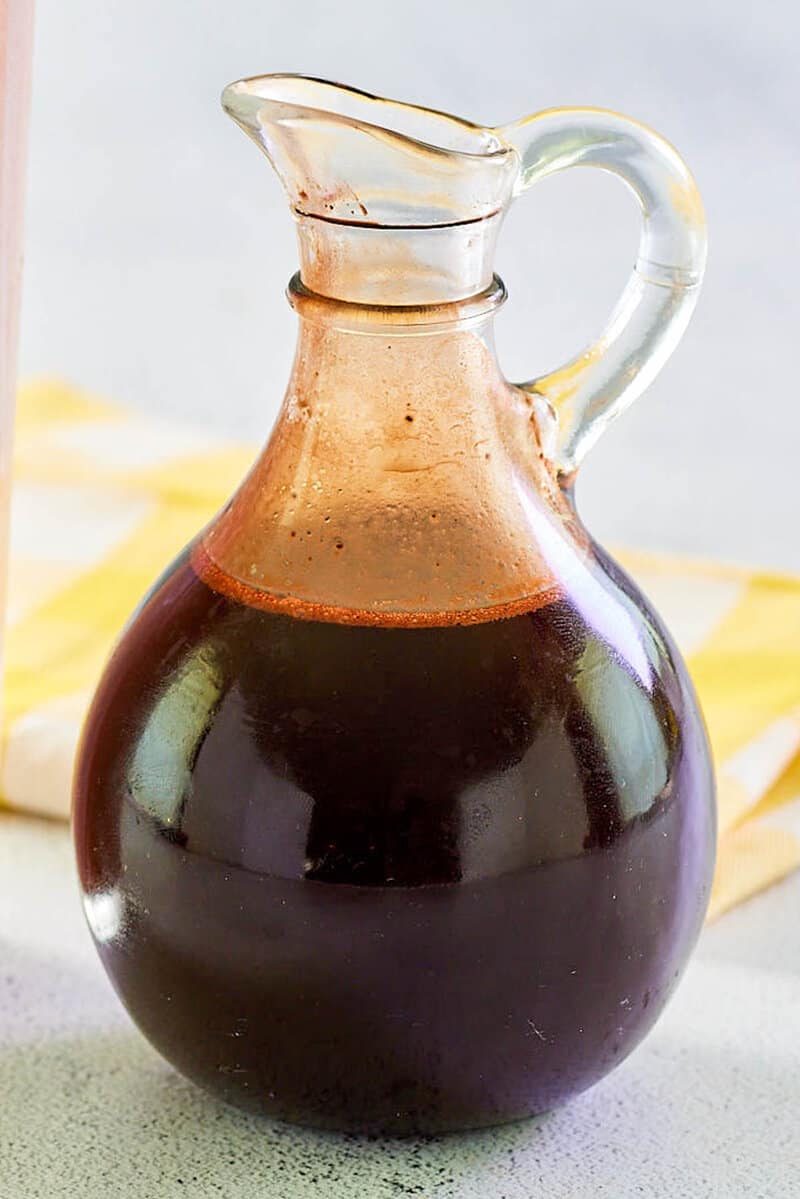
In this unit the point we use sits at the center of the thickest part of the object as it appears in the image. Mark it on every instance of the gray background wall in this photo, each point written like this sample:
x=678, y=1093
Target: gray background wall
x=158, y=242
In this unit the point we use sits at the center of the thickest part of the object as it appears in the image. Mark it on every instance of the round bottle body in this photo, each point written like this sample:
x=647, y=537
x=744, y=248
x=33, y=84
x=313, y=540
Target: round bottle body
x=394, y=879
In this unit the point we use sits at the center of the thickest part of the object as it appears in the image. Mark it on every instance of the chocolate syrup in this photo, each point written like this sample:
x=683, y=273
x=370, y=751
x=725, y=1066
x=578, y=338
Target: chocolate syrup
x=393, y=879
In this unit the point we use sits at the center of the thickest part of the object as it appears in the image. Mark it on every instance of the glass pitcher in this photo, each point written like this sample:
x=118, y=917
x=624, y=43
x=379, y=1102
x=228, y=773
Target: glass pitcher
x=394, y=808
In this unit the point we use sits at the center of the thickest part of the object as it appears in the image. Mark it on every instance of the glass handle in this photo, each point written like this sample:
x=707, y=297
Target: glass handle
x=657, y=302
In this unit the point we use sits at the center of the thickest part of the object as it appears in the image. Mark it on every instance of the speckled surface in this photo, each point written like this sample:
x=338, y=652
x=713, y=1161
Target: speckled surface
x=705, y=1108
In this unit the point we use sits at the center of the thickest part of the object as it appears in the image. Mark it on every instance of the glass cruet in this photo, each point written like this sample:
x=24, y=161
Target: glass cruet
x=394, y=806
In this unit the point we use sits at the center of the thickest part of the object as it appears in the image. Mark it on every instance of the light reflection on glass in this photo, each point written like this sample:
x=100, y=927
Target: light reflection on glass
x=602, y=612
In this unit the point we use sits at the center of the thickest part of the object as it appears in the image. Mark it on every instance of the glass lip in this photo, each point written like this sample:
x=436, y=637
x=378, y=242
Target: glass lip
x=379, y=320
x=348, y=102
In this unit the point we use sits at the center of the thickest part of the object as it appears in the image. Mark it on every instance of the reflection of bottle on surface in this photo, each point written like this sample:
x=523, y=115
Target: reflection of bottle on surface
x=15, y=62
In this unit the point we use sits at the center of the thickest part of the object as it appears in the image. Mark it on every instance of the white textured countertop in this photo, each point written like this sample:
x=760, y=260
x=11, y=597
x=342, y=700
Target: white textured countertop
x=705, y=1108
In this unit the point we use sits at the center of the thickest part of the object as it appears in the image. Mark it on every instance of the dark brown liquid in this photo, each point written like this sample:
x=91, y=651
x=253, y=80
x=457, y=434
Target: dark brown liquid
x=387, y=878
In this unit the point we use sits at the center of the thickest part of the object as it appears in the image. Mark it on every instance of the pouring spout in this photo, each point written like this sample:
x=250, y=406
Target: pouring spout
x=344, y=155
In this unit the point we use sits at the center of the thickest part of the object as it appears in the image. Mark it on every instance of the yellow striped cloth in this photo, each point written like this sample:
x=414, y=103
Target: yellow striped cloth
x=103, y=499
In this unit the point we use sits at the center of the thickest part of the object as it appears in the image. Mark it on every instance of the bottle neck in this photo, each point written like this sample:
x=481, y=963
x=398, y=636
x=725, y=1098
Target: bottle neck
x=357, y=362
x=404, y=480
x=391, y=267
